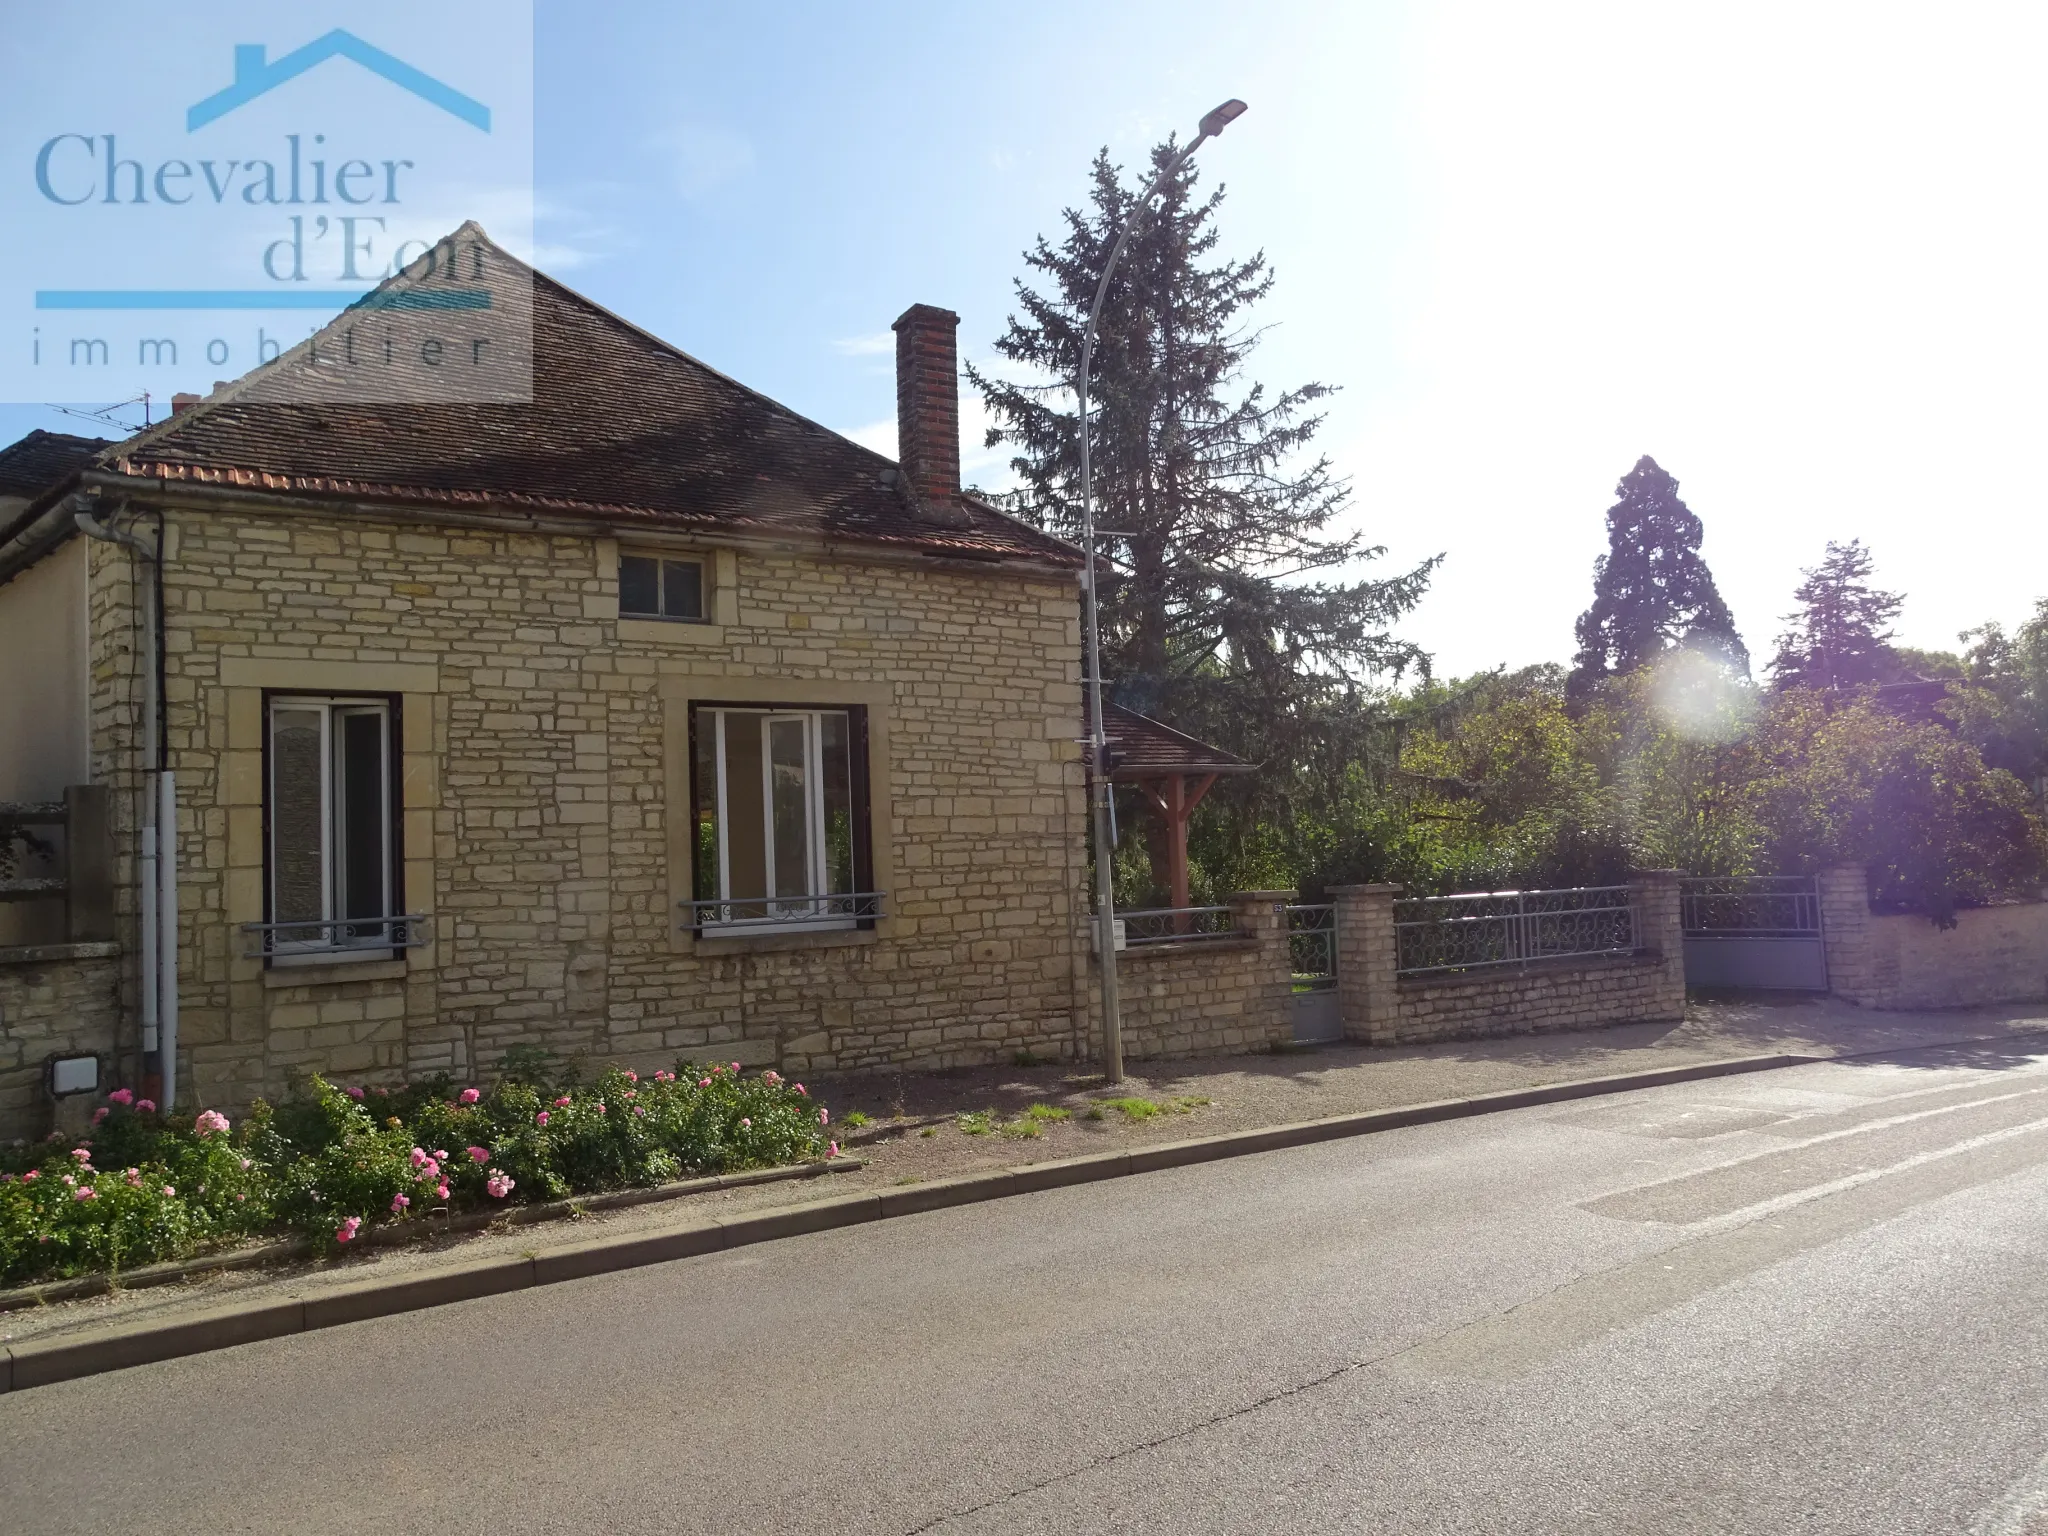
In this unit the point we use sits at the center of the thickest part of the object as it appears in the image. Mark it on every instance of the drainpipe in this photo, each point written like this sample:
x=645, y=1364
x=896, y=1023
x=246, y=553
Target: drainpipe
x=157, y=877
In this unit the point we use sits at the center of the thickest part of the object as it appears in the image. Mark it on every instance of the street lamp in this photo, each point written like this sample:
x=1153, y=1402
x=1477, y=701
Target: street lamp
x=1098, y=740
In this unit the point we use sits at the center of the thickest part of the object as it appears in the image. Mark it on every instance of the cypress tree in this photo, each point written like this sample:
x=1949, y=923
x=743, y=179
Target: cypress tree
x=1209, y=613
x=1651, y=590
x=1840, y=634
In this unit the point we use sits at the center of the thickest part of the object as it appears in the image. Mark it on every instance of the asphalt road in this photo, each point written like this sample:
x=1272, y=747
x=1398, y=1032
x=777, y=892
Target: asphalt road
x=1812, y=1301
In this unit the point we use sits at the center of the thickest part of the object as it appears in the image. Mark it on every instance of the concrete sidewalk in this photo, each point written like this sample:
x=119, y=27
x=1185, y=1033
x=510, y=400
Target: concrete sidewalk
x=937, y=1125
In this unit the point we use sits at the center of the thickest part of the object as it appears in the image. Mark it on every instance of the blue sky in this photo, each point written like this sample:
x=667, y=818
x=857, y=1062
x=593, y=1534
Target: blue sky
x=1793, y=251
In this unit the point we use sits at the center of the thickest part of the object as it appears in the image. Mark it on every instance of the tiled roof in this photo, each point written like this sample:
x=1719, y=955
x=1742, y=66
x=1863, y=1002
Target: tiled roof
x=1145, y=748
x=621, y=425
x=37, y=462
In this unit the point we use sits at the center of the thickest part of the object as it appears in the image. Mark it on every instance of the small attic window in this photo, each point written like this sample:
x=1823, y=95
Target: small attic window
x=658, y=587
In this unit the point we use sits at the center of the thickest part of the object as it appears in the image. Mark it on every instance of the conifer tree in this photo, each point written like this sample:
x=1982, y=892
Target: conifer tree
x=1840, y=634
x=1209, y=615
x=1651, y=590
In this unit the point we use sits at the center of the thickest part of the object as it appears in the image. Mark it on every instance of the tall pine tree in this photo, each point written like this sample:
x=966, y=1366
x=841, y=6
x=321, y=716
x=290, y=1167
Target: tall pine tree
x=1651, y=590
x=1841, y=632
x=1219, y=519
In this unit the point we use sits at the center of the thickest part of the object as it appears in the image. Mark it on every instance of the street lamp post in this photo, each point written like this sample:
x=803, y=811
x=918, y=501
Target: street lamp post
x=1098, y=740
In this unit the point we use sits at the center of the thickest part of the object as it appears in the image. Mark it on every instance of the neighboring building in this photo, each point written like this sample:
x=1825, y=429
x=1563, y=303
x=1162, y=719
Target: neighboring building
x=649, y=719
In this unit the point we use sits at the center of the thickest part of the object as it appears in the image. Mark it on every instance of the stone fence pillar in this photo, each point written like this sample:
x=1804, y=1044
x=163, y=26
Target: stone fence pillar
x=1845, y=933
x=1367, y=995
x=1660, y=929
x=1262, y=916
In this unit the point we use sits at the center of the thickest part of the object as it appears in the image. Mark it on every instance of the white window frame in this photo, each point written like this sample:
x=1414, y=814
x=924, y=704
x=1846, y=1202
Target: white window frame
x=330, y=947
x=807, y=917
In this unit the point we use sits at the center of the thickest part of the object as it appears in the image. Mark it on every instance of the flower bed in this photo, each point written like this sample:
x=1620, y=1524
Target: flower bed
x=143, y=1187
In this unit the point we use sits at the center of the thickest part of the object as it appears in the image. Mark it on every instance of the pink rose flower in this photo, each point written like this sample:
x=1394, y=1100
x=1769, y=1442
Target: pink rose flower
x=418, y=1156
x=134, y=1178
x=209, y=1122
x=479, y=1154
x=123, y=1096
x=83, y=1154
x=398, y=1204
x=800, y=1091
x=499, y=1185
x=703, y=1082
x=354, y=1093
x=824, y=1117
x=735, y=1066
x=638, y=1110
x=430, y=1169
x=632, y=1077
x=441, y=1190
x=832, y=1149
x=440, y=1156
x=171, y=1193
x=100, y=1114
x=468, y=1096
x=562, y=1102
x=84, y=1192
x=33, y=1173
x=541, y=1118
x=346, y=1232
x=771, y=1077
x=145, y=1106
x=746, y=1125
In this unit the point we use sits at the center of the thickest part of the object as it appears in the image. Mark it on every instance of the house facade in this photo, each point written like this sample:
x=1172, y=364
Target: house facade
x=644, y=720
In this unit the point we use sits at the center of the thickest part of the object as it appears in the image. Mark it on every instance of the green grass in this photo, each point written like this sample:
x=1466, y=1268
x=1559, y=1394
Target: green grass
x=977, y=1122
x=930, y=1130
x=1095, y=1114
x=1132, y=1108
x=853, y=1120
x=1047, y=1112
x=1188, y=1101
x=1022, y=1130
x=911, y=1178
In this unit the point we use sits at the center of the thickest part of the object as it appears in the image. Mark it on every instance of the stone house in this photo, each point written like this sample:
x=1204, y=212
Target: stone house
x=645, y=719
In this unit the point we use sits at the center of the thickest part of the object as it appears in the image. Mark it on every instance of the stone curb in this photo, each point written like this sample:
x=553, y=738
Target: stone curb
x=34, y=1365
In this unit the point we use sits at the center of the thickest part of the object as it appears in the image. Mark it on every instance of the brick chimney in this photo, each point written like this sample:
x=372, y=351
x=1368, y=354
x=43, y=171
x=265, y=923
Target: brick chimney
x=928, y=411
x=182, y=402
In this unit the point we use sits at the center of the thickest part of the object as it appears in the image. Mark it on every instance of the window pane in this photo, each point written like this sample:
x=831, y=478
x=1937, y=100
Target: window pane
x=836, y=762
x=745, y=819
x=704, y=734
x=792, y=807
x=682, y=593
x=362, y=830
x=297, y=818
x=638, y=585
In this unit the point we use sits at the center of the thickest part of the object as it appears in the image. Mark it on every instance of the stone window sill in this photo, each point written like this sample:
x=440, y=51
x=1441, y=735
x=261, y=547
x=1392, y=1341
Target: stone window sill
x=334, y=975
x=44, y=954
x=770, y=943
x=683, y=632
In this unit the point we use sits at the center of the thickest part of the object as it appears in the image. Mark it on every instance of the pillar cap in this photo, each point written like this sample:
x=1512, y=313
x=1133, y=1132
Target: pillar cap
x=1381, y=889
x=1236, y=896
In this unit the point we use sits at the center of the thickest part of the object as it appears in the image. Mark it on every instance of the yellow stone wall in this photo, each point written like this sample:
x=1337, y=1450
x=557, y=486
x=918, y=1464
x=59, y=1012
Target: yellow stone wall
x=543, y=749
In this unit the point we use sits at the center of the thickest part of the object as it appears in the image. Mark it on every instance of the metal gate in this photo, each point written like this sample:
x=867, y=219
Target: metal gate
x=1312, y=949
x=1760, y=933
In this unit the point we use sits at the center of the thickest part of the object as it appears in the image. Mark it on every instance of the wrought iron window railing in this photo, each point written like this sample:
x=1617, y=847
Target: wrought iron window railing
x=759, y=914
x=1456, y=933
x=1168, y=925
x=1751, y=907
x=266, y=941
x=1312, y=946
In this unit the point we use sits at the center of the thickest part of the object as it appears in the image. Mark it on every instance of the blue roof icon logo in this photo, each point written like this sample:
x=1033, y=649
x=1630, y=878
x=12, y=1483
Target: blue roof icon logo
x=257, y=74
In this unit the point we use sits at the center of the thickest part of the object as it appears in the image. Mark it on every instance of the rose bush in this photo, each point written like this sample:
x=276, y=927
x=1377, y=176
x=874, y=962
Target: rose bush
x=142, y=1186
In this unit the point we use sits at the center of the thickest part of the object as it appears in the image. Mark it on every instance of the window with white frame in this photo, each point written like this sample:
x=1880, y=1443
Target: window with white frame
x=782, y=836
x=328, y=808
x=661, y=587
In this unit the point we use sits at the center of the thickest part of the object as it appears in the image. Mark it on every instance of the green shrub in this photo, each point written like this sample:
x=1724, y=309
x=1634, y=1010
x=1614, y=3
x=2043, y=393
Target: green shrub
x=332, y=1161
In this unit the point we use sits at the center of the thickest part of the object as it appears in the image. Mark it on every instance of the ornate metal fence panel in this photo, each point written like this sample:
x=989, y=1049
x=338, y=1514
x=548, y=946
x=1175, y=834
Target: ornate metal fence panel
x=1755, y=933
x=1458, y=933
x=1312, y=958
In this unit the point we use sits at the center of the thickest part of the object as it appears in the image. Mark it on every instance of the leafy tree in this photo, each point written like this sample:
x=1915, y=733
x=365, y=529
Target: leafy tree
x=1839, y=637
x=1221, y=611
x=1651, y=590
x=1855, y=782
